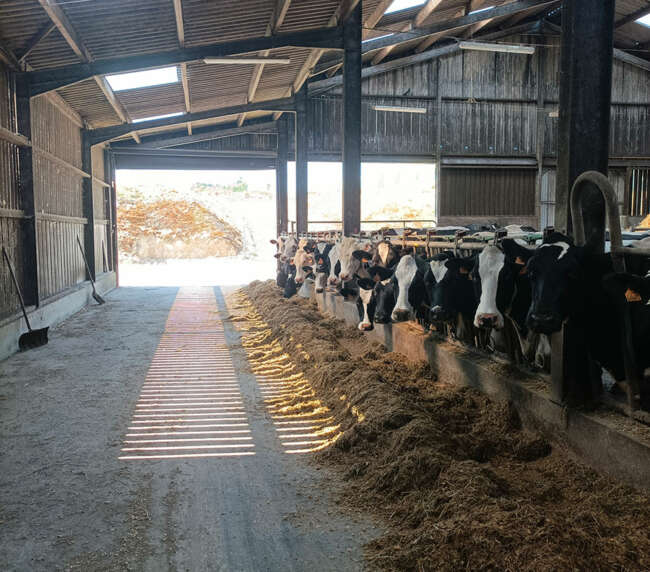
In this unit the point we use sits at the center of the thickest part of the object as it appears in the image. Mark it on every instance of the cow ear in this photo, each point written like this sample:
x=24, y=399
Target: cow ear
x=291, y=261
x=361, y=255
x=273, y=241
x=379, y=273
x=365, y=283
x=277, y=255
x=516, y=252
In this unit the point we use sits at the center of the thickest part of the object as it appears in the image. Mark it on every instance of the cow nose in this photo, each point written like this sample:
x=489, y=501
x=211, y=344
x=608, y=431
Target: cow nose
x=545, y=323
x=364, y=327
x=319, y=290
x=343, y=276
x=400, y=315
x=299, y=280
x=487, y=320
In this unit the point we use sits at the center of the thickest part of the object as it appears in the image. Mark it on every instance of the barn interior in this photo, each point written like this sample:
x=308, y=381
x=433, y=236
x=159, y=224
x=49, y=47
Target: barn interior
x=211, y=428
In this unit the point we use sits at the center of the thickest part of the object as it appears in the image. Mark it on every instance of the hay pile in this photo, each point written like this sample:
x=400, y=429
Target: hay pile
x=161, y=228
x=458, y=482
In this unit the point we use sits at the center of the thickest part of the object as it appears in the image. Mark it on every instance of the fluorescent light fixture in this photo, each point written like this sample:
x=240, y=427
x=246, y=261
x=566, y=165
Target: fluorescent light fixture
x=146, y=78
x=176, y=114
x=399, y=109
x=481, y=10
x=251, y=60
x=554, y=113
x=645, y=21
x=486, y=47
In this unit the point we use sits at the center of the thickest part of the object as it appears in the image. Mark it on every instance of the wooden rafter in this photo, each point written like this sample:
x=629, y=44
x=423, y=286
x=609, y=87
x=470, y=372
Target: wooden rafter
x=180, y=33
x=640, y=13
x=277, y=18
x=60, y=20
x=36, y=39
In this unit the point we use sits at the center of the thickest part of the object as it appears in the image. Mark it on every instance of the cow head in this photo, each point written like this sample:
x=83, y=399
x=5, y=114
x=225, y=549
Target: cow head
x=322, y=268
x=334, y=264
x=386, y=255
x=383, y=292
x=366, y=303
x=628, y=287
x=449, y=281
x=350, y=263
x=553, y=271
x=410, y=288
x=304, y=262
x=495, y=278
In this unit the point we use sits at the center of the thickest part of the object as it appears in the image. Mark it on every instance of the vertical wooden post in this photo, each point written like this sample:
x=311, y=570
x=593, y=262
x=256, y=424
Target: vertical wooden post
x=108, y=201
x=28, y=197
x=302, y=161
x=114, y=242
x=438, y=142
x=583, y=145
x=88, y=203
x=540, y=128
x=352, y=122
x=281, y=201
x=585, y=102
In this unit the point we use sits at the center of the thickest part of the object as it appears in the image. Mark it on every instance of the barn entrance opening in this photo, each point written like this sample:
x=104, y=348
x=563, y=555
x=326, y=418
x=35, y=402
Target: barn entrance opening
x=195, y=227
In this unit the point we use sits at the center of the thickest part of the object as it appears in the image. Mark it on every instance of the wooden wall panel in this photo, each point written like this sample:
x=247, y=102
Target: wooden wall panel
x=60, y=262
x=10, y=234
x=487, y=192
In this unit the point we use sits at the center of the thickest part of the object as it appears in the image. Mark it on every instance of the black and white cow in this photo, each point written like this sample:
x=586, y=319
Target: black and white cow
x=451, y=294
x=322, y=268
x=376, y=297
x=567, y=284
x=411, y=292
x=503, y=287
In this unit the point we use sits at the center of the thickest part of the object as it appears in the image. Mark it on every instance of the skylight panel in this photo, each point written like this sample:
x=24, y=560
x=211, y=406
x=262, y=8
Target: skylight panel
x=398, y=5
x=151, y=118
x=645, y=21
x=146, y=78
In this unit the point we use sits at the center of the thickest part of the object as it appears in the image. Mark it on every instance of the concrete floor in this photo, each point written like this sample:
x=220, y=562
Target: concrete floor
x=67, y=500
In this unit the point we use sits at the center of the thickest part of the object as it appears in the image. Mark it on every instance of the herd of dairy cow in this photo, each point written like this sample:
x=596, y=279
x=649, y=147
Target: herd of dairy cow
x=509, y=296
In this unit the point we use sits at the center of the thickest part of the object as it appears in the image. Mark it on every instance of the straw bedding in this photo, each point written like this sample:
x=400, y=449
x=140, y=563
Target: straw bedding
x=457, y=481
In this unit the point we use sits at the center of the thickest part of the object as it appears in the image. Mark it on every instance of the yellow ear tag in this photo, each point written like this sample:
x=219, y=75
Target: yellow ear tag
x=520, y=260
x=632, y=296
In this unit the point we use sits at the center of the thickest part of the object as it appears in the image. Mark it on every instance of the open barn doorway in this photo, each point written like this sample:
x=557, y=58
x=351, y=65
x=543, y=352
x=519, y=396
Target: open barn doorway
x=179, y=228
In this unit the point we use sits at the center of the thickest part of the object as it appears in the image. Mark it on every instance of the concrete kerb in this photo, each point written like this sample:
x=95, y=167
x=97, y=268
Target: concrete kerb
x=592, y=438
x=51, y=312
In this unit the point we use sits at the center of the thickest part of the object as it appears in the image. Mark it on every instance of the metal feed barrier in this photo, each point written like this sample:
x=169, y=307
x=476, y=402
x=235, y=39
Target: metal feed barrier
x=618, y=252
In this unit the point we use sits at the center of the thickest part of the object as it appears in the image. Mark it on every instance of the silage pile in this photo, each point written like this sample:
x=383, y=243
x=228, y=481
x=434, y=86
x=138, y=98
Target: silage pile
x=458, y=482
x=164, y=227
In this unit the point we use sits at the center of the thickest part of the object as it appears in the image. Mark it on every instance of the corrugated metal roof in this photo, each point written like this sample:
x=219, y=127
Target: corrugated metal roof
x=117, y=28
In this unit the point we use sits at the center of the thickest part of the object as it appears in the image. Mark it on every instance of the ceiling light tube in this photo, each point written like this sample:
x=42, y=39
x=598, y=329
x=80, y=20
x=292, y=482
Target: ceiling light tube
x=251, y=60
x=399, y=109
x=507, y=48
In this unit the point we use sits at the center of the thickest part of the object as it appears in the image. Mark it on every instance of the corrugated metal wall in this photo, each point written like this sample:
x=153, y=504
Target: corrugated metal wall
x=487, y=192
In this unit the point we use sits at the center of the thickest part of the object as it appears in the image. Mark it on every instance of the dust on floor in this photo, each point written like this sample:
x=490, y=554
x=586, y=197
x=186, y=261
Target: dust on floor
x=457, y=480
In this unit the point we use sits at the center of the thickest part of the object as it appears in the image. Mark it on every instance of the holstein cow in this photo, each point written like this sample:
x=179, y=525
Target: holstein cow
x=322, y=268
x=334, y=266
x=411, y=292
x=575, y=283
x=351, y=253
x=504, y=291
x=451, y=294
x=376, y=297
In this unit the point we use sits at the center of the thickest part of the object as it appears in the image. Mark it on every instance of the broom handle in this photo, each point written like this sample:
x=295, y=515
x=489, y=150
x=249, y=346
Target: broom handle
x=83, y=254
x=20, y=294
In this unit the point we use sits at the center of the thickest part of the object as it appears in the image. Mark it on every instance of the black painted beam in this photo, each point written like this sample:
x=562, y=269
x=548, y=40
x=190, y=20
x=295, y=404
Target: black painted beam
x=281, y=178
x=176, y=138
x=88, y=205
x=453, y=24
x=184, y=162
x=103, y=134
x=352, y=123
x=302, y=161
x=583, y=145
x=28, y=198
x=42, y=81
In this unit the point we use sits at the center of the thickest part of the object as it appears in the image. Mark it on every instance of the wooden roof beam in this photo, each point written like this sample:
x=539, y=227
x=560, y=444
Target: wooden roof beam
x=60, y=20
x=277, y=19
x=45, y=80
x=36, y=39
x=419, y=19
x=640, y=13
x=180, y=33
x=102, y=134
